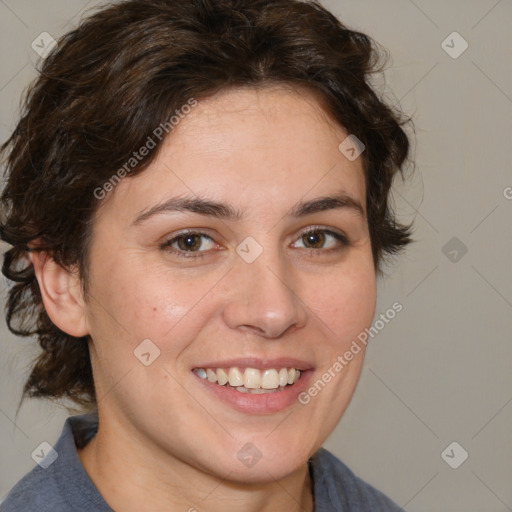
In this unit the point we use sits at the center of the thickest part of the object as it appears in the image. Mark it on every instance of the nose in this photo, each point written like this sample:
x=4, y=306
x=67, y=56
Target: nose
x=261, y=297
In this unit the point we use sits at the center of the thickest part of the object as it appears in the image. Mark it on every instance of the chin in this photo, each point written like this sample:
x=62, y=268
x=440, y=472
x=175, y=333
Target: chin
x=260, y=461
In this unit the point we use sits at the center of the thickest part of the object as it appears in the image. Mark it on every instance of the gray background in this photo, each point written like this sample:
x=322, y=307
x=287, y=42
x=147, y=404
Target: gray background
x=441, y=371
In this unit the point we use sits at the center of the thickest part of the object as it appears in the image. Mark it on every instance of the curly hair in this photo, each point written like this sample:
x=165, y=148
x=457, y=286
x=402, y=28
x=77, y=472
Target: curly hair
x=124, y=71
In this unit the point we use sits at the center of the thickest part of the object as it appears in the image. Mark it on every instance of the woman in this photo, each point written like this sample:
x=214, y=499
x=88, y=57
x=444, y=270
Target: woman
x=202, y=188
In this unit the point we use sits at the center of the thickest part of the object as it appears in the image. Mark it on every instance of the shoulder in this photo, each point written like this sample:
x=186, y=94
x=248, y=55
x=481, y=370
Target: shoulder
x=336, y=487
x=58, y=483
x=32, y=492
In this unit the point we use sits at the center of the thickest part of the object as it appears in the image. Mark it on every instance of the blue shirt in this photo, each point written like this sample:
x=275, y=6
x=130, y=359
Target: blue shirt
x=64, y=485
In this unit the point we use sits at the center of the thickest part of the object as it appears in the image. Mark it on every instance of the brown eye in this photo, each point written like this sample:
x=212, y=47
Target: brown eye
x=188, y=244
x=317, y=238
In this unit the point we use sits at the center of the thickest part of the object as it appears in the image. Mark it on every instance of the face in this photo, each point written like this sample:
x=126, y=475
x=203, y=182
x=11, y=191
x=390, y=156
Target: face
x=272, y=286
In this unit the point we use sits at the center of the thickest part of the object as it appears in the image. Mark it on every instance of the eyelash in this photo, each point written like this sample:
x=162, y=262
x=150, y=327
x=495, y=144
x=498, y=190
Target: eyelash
x=200, y=254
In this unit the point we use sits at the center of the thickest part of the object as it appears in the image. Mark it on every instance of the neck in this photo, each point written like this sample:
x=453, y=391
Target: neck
x=151, y=479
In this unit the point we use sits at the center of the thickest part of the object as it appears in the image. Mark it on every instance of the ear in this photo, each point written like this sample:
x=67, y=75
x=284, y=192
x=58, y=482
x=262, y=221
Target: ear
x=62, y=295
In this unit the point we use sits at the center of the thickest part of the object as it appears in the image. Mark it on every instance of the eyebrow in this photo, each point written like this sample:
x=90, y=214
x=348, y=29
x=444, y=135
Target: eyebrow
x=227, y=212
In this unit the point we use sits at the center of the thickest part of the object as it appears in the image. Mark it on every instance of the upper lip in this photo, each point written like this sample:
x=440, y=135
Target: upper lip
x=259, y=363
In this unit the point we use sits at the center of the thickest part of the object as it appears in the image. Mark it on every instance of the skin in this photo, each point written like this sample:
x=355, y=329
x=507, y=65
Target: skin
x=164, y=443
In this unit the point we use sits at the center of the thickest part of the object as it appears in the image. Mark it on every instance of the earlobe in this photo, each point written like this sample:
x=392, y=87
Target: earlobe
x=62, y=294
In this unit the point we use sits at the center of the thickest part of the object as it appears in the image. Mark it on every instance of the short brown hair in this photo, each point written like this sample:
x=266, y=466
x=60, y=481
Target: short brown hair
x=124, y=71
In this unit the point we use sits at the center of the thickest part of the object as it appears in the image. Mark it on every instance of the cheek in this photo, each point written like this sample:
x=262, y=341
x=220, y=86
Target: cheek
x=128, y=293
x=346, y=305
x=132, y=303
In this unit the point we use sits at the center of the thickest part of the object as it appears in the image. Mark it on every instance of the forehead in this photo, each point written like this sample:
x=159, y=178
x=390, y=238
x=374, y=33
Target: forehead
x=249, y=147
x=280, y=119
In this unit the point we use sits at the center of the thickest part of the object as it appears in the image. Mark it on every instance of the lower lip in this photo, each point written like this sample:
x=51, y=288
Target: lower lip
x=265, y=403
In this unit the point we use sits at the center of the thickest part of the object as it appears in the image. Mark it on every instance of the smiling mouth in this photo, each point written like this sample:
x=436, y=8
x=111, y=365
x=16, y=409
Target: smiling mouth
x=251, y=380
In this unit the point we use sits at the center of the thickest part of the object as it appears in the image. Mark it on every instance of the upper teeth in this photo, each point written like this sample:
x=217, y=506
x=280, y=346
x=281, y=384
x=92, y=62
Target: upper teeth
x=251, y=378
